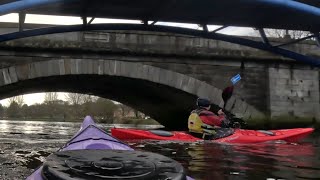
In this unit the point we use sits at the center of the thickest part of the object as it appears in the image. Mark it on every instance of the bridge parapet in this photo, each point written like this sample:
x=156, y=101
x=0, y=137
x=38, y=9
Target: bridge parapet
x=158, y=43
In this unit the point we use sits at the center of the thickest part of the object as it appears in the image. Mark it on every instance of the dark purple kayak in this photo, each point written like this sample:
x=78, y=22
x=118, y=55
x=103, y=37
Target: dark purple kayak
x=93, y=154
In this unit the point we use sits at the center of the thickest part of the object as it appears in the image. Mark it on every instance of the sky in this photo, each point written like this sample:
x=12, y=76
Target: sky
x=33, y=98
x=63, y=20
x=69, y=20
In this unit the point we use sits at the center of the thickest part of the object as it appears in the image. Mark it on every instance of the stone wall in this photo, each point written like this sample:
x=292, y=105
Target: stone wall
x=164, y=95
x=294, y=92
x=272, y=84
x=252, y=87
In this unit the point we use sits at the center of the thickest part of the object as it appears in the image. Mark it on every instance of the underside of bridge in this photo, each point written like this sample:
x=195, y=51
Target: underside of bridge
x=259, y=14
x=169, y=106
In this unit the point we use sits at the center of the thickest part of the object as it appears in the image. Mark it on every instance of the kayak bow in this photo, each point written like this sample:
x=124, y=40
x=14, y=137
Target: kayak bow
x=93, y=154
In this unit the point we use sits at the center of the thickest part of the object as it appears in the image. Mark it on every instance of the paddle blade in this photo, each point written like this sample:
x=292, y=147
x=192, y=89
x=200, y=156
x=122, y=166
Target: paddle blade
x=235, y=79
x=227, y=93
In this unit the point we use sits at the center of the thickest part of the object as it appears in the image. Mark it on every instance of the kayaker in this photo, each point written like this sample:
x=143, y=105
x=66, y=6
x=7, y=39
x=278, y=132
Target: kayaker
x=203, y=123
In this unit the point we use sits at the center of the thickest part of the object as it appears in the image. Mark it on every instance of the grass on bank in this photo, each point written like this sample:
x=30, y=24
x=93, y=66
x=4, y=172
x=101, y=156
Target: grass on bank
x=135, y=121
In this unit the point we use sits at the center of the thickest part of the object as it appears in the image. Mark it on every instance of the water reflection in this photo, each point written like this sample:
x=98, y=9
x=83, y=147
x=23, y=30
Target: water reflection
x=254, y=161
x=4, y=126
x=30, y=127
x=24, y=146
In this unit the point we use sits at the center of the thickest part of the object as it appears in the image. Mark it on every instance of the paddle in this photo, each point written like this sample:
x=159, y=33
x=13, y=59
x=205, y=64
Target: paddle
x=226, y=95
x=228, y=91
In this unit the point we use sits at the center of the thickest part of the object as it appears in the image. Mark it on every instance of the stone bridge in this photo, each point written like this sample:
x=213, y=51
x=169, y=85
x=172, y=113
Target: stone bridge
x=161, y=74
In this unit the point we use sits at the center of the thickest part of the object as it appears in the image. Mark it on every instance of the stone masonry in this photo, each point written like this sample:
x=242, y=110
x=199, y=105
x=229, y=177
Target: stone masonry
x=272, y=85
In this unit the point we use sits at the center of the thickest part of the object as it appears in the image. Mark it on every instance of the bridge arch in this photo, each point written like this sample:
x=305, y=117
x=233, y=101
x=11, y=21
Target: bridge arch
x=165, y=95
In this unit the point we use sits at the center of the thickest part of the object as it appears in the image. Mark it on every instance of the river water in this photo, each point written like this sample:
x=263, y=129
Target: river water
x=25, y=144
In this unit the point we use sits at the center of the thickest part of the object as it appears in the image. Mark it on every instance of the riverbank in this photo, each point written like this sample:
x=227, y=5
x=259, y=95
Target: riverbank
x=278, y=123
x=136, y=121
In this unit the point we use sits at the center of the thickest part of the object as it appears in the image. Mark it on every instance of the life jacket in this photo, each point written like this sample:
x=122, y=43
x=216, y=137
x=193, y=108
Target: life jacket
x=195, y=124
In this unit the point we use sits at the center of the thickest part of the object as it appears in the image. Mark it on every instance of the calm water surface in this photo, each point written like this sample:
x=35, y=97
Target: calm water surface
x=25, y=144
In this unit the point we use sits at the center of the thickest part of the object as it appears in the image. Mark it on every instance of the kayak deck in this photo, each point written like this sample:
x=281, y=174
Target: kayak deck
x=239, y=136
x=88, y=137
x=94, y=154
x=92, y=137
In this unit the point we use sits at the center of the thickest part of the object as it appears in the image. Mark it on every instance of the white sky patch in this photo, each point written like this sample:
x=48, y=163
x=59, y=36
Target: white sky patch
x=57, y=20
x=231, y=30
x=183, y=25
x=13, y=17
x=33, y=98
x=71, y=20
x=61, y=20
x=103, y=20
x=239, y=31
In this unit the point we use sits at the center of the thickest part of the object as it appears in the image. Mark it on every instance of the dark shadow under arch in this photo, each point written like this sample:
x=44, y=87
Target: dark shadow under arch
x=167, y=105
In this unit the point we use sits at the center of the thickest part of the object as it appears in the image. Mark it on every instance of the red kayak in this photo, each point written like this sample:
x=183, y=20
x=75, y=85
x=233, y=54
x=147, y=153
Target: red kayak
x=239, y=135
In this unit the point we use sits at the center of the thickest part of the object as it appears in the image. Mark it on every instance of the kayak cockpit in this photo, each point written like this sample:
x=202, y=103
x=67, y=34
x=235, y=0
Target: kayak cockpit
x=111, y=164
x=161, y=133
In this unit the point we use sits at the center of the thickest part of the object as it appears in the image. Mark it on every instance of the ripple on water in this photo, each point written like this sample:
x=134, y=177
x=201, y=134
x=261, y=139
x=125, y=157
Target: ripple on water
x=254, y=161
x=21, y=153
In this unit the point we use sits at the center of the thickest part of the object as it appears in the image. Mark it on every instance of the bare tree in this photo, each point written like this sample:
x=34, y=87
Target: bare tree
x=104, y=108
x=18, y=99
x=125, y=110
x=11, y=100
x=136, y=113
x=78, y=99
x=50, y=97
x=88, y=98
x=75, y=98
x=281, y=33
